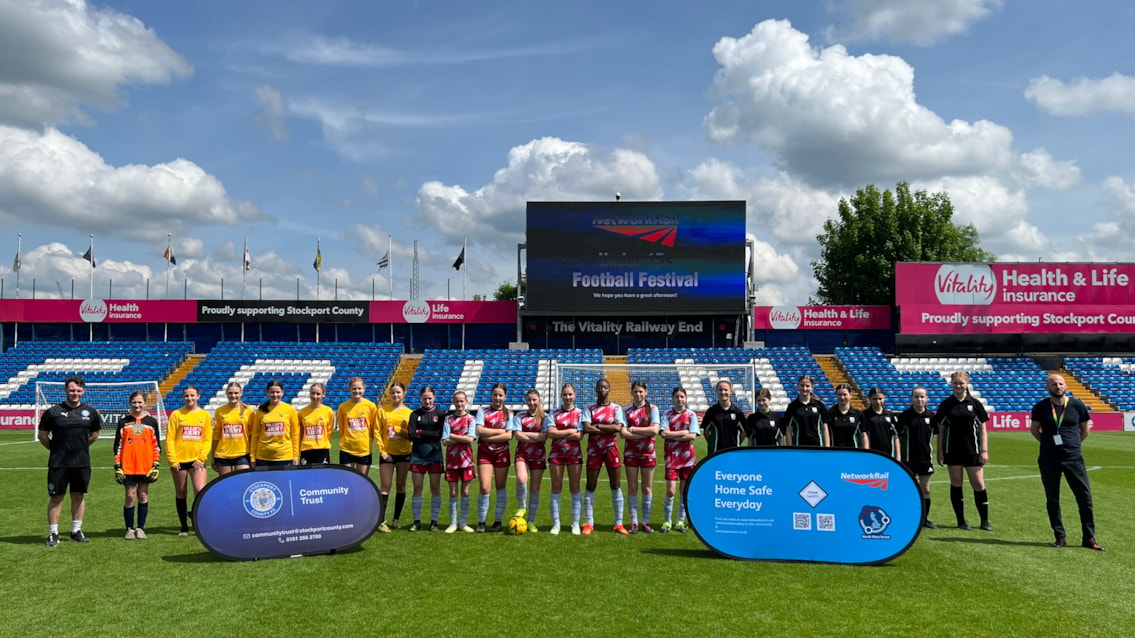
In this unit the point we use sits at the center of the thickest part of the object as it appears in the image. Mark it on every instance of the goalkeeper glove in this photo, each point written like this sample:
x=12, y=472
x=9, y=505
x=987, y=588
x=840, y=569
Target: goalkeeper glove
x=153, y=475
x=119, y=475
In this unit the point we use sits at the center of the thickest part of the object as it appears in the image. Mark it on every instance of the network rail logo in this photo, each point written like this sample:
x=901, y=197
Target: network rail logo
x=878, y=480
x=656, y=229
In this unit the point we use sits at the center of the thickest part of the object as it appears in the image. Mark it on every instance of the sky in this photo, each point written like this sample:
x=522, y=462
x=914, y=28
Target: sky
x=354, y=126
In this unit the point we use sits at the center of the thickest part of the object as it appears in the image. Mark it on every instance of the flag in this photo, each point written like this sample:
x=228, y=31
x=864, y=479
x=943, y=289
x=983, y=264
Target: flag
x=318, y=263
x=247, y=259
x=16, y=262
x=460, y=260
x=90, y=256
x=385, y=261
x=169, y=256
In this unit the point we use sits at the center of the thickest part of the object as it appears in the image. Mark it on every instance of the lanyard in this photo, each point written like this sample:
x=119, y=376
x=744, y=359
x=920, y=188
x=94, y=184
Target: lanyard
x=1064, y=410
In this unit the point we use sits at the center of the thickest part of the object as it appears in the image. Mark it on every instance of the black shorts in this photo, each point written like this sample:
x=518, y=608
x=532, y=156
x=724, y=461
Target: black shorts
x=966, y=460
x=345, y=458
x=919, y=468
x=185, y=467
x=395, y=458
x=240, y=460
x=135, y=479
x=59, y=479
x=266, y=463
x=315, y=457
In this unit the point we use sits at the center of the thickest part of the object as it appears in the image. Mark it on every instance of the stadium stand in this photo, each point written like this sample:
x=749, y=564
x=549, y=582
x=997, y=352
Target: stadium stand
x=297, y=365
x=97, y=362
x=1001, y=383
x=1112, y=378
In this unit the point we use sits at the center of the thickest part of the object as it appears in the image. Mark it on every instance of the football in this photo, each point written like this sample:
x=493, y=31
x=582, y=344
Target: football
x=517, y=525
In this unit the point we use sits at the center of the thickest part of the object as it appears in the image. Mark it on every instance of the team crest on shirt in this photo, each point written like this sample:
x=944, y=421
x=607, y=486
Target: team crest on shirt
x=874, y=521
x=86, y=414
x=263, y=499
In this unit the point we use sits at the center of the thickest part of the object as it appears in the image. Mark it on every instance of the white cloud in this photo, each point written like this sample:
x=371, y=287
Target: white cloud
x=836, y=119
x=543, y=169
x=56, y=55
x=1038, y=168
x=351, y=53
x=1115, y=93
x=920, y=22
x=53, y=180
x=273, y=112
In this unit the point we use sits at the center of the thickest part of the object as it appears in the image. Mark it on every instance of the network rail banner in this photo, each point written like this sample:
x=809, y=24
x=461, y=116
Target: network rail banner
x=674, y=258
x=822, y=318
x=818, y=505
x=282, y=512
x=1053, y=284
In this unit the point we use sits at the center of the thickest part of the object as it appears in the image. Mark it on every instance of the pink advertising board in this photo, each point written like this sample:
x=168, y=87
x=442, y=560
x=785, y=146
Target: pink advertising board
x=1020, y=421
x=1055, y=284
x=1016, y=319
x=98, y=310
x=822, y=318
x=422, y=311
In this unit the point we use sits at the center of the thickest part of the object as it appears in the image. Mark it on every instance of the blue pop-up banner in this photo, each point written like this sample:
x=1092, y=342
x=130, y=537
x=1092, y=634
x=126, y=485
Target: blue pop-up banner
x=286, y=511
x=818, y=505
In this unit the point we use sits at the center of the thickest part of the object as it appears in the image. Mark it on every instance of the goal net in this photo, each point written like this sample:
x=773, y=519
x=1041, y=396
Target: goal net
x=112, y=400
x=698, y=380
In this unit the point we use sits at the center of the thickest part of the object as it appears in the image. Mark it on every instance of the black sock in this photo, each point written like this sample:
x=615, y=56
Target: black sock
x=143, y=511
x=183, y=513
x=399, y=502
x=128, y=516
x=925, y=509
x=382, y=500
x=982, y=500
x=956, y=501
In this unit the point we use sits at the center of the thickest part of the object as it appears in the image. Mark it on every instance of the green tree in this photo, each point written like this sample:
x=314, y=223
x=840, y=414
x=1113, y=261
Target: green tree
x=875, y=230
x=506, y=291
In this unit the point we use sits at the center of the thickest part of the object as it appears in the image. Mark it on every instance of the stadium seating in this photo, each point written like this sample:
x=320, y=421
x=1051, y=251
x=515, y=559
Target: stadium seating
x=1113, y=378
x=296, y=365
x=97, y=362
x=475, y=371
x=1002, y=383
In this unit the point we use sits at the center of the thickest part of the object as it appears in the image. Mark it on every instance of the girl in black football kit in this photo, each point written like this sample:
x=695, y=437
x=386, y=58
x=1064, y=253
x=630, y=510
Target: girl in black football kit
x=845, y=421
x=762, y=427
x=881, y=425
x=806, y=419
x=963, y=447
x=916, y=428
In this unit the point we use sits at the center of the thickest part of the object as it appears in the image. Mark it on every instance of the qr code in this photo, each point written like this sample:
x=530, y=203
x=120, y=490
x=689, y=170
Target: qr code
x=825, y=522
x=801, y=520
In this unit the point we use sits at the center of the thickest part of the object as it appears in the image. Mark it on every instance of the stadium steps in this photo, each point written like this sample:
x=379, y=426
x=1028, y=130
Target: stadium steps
x=837, y=374
x=407, y=366
x=1077, y=388
x=615, y=369
x=191, y=361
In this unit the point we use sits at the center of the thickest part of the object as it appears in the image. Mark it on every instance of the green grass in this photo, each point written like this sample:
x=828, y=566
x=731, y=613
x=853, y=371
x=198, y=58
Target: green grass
x=950, y=583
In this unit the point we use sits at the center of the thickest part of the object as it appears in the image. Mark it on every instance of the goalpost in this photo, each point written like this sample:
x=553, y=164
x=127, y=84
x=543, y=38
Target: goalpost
x=698, y=379
x=112, y=400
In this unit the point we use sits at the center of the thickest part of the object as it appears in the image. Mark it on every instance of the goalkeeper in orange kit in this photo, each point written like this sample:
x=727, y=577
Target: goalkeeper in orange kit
x=137, y=456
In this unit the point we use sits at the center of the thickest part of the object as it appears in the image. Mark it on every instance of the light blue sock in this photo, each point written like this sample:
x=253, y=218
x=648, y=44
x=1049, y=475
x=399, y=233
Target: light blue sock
x=667, y=508
x=533, y=506
x=502, y=504
x=589, y=507
x=576, y=505
x=453, y=508
x=482, y=507
x=681, y=509
x=647, y=508
x=464, y=519
x=522, y=496
x=435, y=507
x=555, y=509
x=617, y=504
x=416, y=507
x=633, y=498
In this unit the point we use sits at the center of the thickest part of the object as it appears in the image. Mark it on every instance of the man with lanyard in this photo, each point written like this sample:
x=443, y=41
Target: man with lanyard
x=1059, y=424
x=68, y=430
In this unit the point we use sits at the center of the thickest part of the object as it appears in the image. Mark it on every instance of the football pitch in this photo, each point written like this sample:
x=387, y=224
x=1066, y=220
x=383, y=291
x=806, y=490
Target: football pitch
x=1008, y=582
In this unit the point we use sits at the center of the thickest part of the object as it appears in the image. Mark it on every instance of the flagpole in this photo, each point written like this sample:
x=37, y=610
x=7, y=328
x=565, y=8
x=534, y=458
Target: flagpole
x=318, y=266
x=389, y=243
x=169, y=253
x=244, y=273
x=91, y=250
x=465, y=270
x=19, y=264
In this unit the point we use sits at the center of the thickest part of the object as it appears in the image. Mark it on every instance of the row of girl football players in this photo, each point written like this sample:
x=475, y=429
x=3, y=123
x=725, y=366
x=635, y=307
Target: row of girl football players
x=428, y=442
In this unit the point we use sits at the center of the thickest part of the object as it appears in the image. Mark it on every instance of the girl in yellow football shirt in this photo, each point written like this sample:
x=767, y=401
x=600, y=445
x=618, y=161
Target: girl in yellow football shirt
x=393, y=444
x=356, y=420
x=188, y=437
x=316, y=421
x=232, y=427
x=275, y=430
